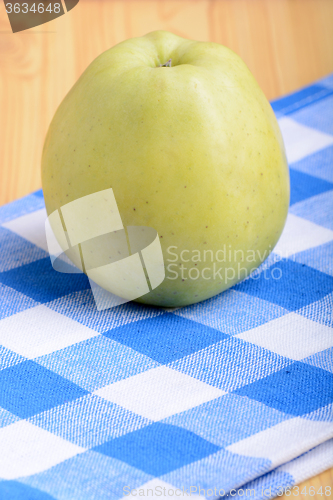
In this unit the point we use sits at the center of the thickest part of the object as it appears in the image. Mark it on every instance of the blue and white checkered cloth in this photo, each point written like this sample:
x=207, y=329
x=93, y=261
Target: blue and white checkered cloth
x=213, y=399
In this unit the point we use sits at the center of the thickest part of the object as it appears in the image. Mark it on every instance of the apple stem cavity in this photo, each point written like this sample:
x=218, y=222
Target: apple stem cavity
x=166, y=65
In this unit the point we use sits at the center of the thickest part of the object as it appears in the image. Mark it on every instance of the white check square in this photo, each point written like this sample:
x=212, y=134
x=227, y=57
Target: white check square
x=301, y=141
x=27, y=449
x=300, y=234
x=30, y=227
x=292, y=336
x=40, y=330
x=159, y=393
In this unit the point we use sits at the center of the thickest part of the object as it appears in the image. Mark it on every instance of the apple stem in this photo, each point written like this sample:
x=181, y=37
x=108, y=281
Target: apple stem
x=166, y=65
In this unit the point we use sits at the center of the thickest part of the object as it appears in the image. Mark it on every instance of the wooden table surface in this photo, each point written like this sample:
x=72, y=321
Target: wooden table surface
x=285, y=43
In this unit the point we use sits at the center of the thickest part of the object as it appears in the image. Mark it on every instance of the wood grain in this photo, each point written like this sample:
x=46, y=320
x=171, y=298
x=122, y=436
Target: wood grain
x=285, y=43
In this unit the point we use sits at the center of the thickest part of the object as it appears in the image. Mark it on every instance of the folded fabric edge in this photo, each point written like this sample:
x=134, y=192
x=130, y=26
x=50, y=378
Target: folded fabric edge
x=288, y=475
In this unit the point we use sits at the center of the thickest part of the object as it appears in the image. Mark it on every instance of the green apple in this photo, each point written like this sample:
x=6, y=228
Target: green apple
x=189, y=144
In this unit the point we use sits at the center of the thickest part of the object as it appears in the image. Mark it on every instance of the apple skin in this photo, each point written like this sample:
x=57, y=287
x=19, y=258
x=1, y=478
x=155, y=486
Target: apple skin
x=193, y=150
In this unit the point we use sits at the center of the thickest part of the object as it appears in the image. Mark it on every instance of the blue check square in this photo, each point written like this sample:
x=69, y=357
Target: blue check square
x=297, y=389
x=298, y=285
x=167, y=337
x=39, y=281
x=158, y=448
x=304, y=186
x=27, y=388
